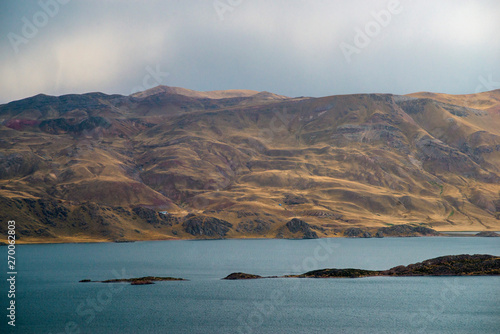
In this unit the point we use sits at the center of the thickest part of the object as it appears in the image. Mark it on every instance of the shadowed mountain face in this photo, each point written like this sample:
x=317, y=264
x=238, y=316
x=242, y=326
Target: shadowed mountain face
x=245, y=164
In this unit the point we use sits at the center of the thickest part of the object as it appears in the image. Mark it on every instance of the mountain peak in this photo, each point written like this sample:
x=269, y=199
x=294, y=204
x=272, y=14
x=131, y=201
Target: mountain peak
x=214, y=94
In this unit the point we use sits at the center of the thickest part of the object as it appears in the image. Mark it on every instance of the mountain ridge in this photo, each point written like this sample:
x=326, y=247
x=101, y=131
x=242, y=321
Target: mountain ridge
x=214, y=94
x=246, y=163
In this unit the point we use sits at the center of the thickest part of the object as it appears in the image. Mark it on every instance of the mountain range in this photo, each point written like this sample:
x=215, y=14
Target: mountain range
x=170, y=163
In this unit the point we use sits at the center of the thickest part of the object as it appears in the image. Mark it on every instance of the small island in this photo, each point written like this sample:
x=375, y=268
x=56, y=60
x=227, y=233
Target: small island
x=136, y=281
x=488, y=234
x=451, y=265
x=242, y=276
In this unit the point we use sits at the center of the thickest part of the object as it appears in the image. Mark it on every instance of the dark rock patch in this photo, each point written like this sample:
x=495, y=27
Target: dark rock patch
x=392, y=231
x=206, y=226
x=244, y=214
x=297, y=225
x=62, y=125
x=407, y=231
x=150, y=216
x=155, y=218
x=353, y=232
x=49, y=212
x=256, y=226
x=291, y=199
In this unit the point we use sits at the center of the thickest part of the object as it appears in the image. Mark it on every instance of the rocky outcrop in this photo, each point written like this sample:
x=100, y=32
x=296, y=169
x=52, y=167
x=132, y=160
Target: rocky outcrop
x=87, y=214
x=19, y=164
x=407, y=231
x=392, y=231
x=155, y=218
x=292, y=199
x=297, y=225
x=256, y=226
x=48, y=211
x=355, y=232
x=39, y=217
x=62, y=125
x=150, y=216
x=488, y=234
x=206, y=226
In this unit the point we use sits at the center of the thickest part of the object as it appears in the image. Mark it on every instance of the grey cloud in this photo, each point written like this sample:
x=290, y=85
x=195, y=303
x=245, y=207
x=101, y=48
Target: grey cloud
x=287, y=47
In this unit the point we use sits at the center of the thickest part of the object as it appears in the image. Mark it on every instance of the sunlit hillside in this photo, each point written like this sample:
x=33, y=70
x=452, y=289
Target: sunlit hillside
x=242, y=164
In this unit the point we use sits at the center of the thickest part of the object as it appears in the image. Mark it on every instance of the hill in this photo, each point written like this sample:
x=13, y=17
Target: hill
x=175, y=163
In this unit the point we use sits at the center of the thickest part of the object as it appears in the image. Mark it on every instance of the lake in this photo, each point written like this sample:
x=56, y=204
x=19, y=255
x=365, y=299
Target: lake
x=51, y=300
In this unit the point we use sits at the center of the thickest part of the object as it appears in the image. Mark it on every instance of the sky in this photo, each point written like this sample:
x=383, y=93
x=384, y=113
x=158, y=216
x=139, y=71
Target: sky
x=289, y=47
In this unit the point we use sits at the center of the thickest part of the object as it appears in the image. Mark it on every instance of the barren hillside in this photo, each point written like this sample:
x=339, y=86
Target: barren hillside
x=244, y=164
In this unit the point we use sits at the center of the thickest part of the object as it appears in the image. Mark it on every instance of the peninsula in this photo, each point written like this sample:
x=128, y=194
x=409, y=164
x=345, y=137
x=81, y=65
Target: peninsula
x=450, y=265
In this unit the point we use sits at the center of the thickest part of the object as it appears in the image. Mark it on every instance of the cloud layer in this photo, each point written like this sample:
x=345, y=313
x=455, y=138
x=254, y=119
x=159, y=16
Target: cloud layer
x=294, y=47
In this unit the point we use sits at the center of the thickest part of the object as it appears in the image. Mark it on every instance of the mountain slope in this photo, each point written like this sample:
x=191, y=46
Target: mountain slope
x=243, y=164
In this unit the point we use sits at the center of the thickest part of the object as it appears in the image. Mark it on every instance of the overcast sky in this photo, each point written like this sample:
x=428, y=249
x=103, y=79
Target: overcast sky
x=292, y=47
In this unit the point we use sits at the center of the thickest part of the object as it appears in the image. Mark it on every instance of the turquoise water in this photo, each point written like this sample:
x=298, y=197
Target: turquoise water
x=50, y=299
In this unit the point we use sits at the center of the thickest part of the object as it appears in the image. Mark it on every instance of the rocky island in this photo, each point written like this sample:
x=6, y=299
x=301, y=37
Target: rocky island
x=235, y=276
x=451, y=265
x=136, y=281
x=488, y=234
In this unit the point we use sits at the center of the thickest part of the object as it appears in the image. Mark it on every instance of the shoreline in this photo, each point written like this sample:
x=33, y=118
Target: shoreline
x=444, y=234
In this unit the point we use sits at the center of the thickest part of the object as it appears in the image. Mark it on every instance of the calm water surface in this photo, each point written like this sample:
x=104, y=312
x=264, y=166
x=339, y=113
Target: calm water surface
x=50, y=299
